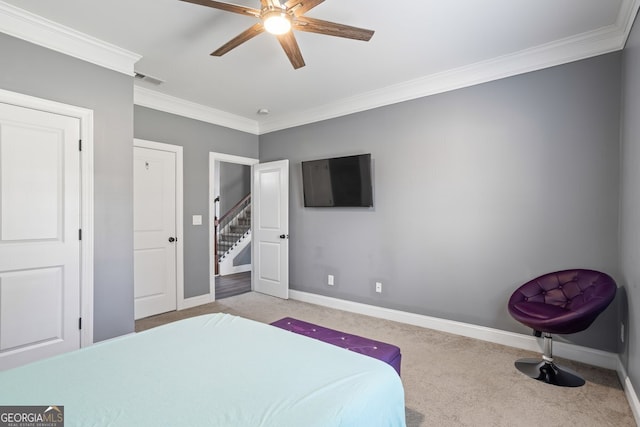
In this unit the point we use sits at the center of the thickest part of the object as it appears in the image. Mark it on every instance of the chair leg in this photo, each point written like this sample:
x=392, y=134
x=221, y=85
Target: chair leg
x=546, y=370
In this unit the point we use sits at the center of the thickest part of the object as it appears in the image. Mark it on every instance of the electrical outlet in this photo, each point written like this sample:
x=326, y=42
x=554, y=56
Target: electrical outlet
x=621, y=332
x=330, y=280
x=378, y=287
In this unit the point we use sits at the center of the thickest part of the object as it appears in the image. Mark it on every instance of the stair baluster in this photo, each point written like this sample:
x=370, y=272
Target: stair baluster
x=234, y=226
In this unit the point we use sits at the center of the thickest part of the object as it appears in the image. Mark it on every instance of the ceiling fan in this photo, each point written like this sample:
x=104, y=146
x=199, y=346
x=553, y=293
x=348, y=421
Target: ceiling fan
x=280, y=19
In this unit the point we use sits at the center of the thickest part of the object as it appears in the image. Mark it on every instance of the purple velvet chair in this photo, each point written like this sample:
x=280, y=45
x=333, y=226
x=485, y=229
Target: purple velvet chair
x=564, y=302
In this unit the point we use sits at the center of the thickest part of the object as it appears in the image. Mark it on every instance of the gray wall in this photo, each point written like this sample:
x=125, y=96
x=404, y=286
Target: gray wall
x=235, y=183
x=630, y=205
x=198, y=139
x=36, y=71
x=475, y=191
x=244, y=257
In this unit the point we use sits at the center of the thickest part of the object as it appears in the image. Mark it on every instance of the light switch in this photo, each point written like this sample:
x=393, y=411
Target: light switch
x=197, y=220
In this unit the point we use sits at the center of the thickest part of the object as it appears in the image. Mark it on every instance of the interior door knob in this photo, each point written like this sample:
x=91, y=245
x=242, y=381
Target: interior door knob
x=284, y=236
x=172, y=239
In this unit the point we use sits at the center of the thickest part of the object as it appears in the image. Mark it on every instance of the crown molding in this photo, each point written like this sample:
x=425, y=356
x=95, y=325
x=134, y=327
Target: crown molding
x=627, y=16
x=593, y=43
x=170, y=104
x=30, y=27
x=582, y=46
x=27, y=26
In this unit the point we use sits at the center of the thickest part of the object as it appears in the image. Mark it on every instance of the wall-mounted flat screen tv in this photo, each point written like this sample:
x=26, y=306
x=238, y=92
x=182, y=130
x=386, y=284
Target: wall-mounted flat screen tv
x=338, y=182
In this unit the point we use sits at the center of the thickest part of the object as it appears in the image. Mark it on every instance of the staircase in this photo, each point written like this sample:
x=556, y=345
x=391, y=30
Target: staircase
x=234, y=235
x=230, y=236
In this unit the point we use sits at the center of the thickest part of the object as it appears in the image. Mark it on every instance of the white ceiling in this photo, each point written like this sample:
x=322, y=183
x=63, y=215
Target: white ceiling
x=419, y=47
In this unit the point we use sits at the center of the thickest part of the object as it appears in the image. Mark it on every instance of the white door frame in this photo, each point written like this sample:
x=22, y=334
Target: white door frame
x=177, y=149
x=213, y=157
x=86, y=196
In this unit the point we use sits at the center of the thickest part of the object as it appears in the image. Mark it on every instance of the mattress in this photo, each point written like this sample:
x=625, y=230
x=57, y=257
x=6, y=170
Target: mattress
x=212, y=370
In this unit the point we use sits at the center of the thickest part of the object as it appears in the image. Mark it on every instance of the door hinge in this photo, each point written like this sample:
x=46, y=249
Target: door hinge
x=80, y=323
x=80, y=145
x=80, y=234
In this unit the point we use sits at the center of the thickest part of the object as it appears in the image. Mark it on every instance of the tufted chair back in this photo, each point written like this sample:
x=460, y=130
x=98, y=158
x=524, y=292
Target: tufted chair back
x=563, y=302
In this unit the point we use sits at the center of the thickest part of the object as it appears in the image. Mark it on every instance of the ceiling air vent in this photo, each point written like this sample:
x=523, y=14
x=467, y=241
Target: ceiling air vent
x=149, y=79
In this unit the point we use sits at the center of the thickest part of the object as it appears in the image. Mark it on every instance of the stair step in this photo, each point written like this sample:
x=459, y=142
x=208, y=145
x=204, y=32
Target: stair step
x=237, y=229
x=231, y=236
x=234, y=231
x=224, y=247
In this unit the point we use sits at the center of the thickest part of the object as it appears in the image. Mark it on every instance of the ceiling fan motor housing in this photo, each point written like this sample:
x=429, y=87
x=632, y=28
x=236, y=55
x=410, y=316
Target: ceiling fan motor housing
x=276, y=20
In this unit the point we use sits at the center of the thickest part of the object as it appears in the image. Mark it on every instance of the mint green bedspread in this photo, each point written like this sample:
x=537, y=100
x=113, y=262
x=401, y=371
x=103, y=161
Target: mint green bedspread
x=212, y=370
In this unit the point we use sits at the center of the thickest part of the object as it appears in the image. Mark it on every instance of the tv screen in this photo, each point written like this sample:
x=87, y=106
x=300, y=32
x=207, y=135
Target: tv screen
x=338, y=182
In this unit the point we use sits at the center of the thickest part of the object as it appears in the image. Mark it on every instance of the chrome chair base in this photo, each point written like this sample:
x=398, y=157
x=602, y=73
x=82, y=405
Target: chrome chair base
x=549, y=373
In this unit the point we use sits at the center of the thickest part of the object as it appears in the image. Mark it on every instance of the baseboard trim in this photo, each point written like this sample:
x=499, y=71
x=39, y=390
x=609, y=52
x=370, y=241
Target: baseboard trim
x=234, y=269
x=587, y=355
x=629, y=391
x=194, y=301
x=632, y=397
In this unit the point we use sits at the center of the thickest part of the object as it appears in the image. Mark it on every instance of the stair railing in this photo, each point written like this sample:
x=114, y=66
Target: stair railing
x=229, y=219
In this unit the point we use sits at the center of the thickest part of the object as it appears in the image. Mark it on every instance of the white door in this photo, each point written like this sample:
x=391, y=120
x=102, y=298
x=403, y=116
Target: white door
x=39, y=235
x=270, y=219
x=154, y=231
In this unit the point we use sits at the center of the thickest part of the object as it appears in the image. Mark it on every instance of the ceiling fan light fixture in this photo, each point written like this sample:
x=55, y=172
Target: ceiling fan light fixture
x=276, y=22
x=281, y=20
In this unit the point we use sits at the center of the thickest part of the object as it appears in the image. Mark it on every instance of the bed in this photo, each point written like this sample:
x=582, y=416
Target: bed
x=212, y=370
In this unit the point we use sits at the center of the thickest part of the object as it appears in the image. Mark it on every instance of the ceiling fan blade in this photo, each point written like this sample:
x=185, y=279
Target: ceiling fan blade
x=242, y=10
x=248, y=34
x=300, y=7
x=272, y=3
x=290, y=46
x=311, y=25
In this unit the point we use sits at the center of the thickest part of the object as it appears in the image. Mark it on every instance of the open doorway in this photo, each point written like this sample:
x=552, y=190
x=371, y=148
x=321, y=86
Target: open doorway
x=230, y=205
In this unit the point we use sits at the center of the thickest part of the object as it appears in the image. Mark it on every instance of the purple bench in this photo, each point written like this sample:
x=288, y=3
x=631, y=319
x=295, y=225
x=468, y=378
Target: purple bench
x=386, y=352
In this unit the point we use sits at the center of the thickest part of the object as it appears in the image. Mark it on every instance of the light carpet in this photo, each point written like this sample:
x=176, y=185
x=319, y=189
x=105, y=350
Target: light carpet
x=451, y=380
